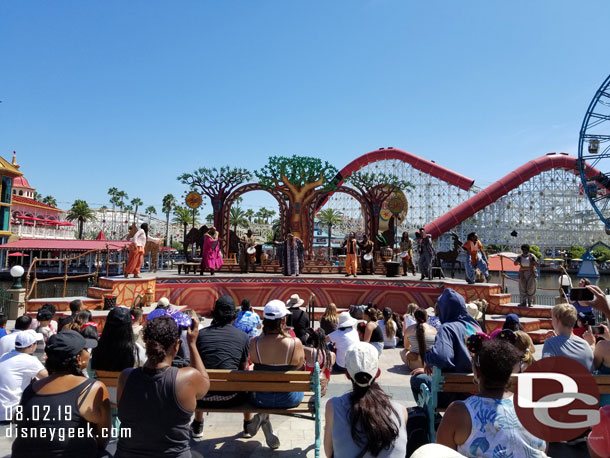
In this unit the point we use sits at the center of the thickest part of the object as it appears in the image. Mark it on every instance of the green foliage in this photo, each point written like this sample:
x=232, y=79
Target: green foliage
x=601, y=253
x=263, y=215
x=298, y=170
x=329, y=217
x=238, y=218
x=37, y=196
x=535, y=250
x=216, y=183
x=577, y=252
x=80, y=212
x=49, y=200
x=378, y=182
x=184, y=216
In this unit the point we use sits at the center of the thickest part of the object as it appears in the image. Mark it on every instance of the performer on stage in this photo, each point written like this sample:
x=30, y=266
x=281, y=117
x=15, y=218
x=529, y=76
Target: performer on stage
x=247, y=254
x=351, y=263
x=211, y=257
x=406, y=246
x=136, y=252
x=528, y=273
x=426, y=253
x=292, y=255
x=477, y=259
x=366, y=251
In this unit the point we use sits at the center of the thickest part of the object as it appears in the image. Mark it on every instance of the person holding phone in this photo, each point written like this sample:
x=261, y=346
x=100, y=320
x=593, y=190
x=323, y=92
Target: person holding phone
x=578, y=298
x=601, y=353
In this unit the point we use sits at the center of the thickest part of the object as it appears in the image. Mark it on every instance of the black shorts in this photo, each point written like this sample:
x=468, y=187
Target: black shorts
x=219, y=399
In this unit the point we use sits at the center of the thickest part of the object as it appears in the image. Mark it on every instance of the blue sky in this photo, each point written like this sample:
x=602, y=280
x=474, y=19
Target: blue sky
x=133, y=93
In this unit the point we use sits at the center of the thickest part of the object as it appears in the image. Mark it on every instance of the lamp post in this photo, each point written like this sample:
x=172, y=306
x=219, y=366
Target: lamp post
x=16, y=306
x=17, y=272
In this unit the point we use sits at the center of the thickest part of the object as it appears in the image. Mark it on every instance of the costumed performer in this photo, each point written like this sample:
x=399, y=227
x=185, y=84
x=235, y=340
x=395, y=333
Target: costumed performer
x=528, y=273
x=477, y=258
x=136, y=251
x=426, y=253
x=211, y=257
x=351, y=247
x=406, y=246
x=245, y=258
x=292, y=254
x=366, y=250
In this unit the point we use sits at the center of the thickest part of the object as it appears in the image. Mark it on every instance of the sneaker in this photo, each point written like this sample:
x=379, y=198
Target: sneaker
x=197, y=429
x=251, y=427
x=272, y=440
x=246, y=434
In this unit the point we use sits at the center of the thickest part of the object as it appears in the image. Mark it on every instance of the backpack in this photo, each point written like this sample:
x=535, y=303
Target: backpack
x=418, y=433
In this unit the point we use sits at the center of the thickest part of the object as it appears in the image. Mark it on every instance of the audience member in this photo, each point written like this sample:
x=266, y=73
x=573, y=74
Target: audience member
x=449, y=352
x=222, y=346
x=274, y=350
x=88, y=399
x=486, y=425
x=82, y=317
x=512, y=322
x=364, y=422
x=526, y=349
x=330, y=319
x=388, y=329
x=3, y=321
x=316, y=350
x=601, y=356
x=17, y=369
x=7, y=343
x=373, y=333
x=137, y=325
x=156, y=401
x=344, y=337
x=400, y=335
x=584, y=309
x=297, y=318
x=44, y=317
x=52, y=324
x=565, y=343
x=408, y=319
x=419, y=338
x=248, y=320
x=75, y=306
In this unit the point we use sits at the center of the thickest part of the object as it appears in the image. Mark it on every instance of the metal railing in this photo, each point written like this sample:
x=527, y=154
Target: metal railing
x=33, y=269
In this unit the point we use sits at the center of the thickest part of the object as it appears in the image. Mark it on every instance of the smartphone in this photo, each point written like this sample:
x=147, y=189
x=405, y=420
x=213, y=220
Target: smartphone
x=595, y=330
x=581, y=294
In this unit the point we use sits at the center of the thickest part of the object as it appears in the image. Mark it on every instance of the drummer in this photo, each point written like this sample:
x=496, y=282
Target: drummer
x=366, y=255
x=247, y=255
x=406, y=253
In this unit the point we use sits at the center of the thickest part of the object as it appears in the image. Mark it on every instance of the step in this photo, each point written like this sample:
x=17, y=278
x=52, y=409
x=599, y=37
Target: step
x=538, y=311
x=541, y=335
x=500, y=298
x=63, y=303
x=110, y=282
x=317, y=311
x=98, y=293
x=494, y=322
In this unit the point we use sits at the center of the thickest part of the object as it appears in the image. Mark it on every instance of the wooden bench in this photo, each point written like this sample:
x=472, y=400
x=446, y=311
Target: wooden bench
x=464, y=383
x=111, y=380
x=188, y=266
x=284, y=382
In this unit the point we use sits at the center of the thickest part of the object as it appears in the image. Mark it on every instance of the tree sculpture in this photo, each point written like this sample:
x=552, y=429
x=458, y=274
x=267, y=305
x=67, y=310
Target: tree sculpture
x=217, y=184
x=300, y=179
x=376, y=188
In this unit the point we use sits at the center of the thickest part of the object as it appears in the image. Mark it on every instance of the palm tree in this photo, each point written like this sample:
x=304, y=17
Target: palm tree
x=50, y=200
x=329, y=218
x=37, y=196
x=112, y=192
x=103, y=208
x=249, y=214
x=169, y=201
x=209, y=219
x=184, y=216
x=81, y=212
x=238, y=218
x=264, y=214
x=136, y=202
x=150, y=210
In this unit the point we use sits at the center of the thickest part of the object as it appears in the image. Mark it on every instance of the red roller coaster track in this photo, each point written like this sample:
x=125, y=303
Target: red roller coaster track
x=502, y=187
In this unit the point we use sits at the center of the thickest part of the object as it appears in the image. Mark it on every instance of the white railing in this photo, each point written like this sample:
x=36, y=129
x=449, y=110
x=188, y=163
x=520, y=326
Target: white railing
x=40, y=232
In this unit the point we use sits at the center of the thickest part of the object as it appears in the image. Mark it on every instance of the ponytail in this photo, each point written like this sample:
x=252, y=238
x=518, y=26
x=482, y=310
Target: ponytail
x=390, y=325
x=421, y=317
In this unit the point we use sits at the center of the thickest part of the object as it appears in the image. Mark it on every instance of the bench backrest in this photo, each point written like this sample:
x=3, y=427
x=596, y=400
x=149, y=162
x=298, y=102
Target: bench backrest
x=108, y=378
x=285, y=382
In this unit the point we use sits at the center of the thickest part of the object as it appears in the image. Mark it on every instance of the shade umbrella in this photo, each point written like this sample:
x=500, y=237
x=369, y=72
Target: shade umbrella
x=18, y=253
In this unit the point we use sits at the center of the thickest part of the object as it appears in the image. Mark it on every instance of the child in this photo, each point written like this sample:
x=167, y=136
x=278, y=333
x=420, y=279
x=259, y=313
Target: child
x=3, y=320
x=528, y=274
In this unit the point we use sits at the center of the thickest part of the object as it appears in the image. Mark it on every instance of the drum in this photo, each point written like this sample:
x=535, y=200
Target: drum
x=252, y=253
x=368, y=257
x=404, y=254
x=386, y=253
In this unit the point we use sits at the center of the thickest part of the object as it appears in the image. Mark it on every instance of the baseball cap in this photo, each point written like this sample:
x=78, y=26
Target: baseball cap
x=275, y=309
x=26, y=338
x=511, y=319
x=118, y=316
x=67, y=344
x=360, y=358
x=163, y=302
x=224, y=304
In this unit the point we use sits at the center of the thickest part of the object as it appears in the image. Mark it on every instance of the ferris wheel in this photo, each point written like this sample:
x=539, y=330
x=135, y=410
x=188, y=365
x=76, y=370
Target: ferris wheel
x=594, y=153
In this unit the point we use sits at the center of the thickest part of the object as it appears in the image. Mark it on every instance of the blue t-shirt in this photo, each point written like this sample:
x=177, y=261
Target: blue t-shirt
x=2, y=332
x=248, y=322
x=582, y=308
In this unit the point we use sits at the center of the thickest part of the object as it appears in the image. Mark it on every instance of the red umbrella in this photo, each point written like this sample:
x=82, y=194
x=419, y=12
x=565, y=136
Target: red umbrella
x=18, y=253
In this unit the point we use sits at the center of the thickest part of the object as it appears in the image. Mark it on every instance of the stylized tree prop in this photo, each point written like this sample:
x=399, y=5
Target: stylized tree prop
x=376, y=188
x=299, y=178
x=217, y=184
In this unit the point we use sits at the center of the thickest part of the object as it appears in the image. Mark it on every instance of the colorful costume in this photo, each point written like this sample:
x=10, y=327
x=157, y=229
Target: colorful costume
x=351, y=263
x=136, y=253
x=367, y=248
x=527, y=278
x=211, y=258
x=426, y=256
x=407, y=261
x=476, y=260
x=244, y=257
x=291, y=256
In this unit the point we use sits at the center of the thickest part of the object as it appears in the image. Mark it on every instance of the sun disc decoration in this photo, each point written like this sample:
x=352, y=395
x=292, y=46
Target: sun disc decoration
x=193, y=199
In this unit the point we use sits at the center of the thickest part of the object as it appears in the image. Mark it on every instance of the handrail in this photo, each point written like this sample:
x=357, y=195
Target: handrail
x=35, y=261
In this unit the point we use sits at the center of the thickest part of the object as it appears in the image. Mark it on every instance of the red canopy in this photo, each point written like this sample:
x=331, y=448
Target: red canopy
x=18, y=253
x=101, y=236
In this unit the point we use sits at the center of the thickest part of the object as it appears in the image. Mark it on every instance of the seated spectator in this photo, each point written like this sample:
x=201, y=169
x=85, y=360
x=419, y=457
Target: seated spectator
x=400, y=335
x=222, y=346
x=193, y=316
x=82, y=317
x=419, y=338
x=67, y=357
x=17, y=370
x=156, y=401
x=3, y=321
x=409, y=317
x=330, y=319
x=248, y=320
x=44, y=317
x=388, y=329
x=373, y=333
x=75, y=306
x=7, y=343
x=486, y=425
x=364, y=421
x=297, y=319
x=344, y=337
x=449, y=352
x=565, y=343
x=586, y=310
x=316, y=350
x=526, y=349
x=52, y=324
x=601, y=356
x=274, y=350
x=512, y=322
x=137, y=325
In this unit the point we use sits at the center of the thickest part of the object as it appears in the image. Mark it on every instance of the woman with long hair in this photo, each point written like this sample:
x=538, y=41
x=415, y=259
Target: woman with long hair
x=136, y=251
x=489, y=417
x=372, y=332
x=526, y=348
x=211, y=258
x=364, y=422
x=274, y=350
x=408, y=319
x=82, y=317
x=330, y=319
x=419, y=338
x=388, y=328
x=156, y=402
x=316, y=350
